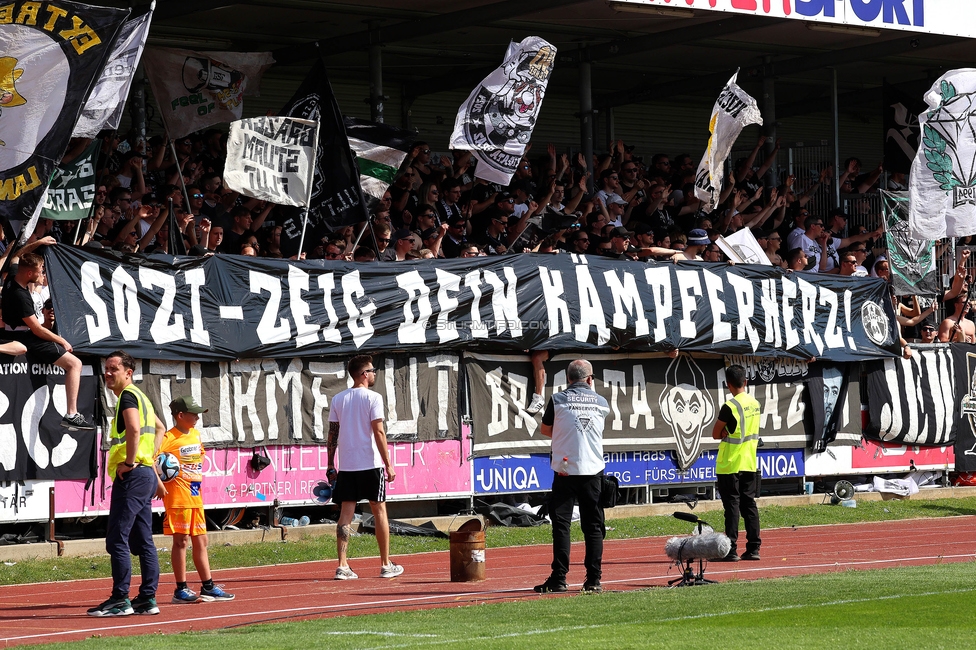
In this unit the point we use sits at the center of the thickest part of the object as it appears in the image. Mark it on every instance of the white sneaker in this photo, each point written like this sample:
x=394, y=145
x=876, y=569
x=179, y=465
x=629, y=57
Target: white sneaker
x=536, y=405
x=345, y=573
x=391, y=570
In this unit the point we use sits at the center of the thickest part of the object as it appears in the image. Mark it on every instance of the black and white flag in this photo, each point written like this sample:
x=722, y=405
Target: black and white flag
x=50, y=55
x=271, y=158
x=337, y=199
x=912, y=261
x=734, y=110
x=105, y=105
x=72, y=189
x=497, y=119
x=379, y=149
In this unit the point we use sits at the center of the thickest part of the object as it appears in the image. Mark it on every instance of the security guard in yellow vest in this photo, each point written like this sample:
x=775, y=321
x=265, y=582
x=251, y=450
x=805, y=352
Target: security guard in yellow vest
x=737, y=427
x=135, y=434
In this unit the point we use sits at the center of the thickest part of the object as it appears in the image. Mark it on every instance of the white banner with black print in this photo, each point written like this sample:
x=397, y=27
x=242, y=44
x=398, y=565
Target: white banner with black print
x=271, y=158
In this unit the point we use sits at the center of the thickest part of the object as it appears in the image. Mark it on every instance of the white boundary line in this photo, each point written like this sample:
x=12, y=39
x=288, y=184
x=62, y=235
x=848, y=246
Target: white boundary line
x=452, y=597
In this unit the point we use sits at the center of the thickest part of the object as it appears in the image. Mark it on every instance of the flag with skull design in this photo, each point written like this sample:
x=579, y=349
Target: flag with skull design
x=497, y=119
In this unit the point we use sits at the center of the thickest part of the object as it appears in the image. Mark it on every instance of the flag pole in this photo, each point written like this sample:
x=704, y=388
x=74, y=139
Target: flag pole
x=311, y=185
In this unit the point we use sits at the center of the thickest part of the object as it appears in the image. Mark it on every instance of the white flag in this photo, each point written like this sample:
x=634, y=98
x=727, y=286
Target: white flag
x=742, y=248
x=270, y=158
x=733, y=111
x=942, y=187
x=497, y=119
x=105, y=104
x=195, y=90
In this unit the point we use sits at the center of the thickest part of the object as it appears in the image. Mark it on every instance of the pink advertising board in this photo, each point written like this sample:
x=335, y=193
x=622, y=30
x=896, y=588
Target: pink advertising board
x=425, y=470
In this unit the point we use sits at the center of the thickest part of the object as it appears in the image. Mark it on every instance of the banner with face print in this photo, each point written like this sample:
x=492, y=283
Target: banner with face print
x=656, y=403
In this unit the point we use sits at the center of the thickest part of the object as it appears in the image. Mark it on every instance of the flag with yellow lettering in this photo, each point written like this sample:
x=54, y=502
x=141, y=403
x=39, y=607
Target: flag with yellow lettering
x=195, y=90
x=50, y=54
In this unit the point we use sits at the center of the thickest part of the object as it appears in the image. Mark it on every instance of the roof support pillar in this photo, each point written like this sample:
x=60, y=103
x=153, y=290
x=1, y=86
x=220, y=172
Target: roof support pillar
x=586, y=113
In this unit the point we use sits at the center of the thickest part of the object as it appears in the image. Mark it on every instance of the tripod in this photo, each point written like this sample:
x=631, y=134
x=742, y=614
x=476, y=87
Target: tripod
x=688, y=576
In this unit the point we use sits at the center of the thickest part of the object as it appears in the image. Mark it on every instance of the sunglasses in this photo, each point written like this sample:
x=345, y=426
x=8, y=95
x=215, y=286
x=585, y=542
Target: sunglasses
x=373, y=370
x=425, y=151
x=197, y=196
x=428, y=215
x=928, y=329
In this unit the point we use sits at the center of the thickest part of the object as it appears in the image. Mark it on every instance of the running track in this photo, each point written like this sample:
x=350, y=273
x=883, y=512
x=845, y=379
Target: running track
x=55, y=611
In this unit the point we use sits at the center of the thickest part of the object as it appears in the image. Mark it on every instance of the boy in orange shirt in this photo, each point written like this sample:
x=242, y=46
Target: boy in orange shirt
x=185, y=519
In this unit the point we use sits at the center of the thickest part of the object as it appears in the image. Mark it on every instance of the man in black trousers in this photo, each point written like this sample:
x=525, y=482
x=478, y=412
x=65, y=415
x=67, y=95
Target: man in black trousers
x=574, y=420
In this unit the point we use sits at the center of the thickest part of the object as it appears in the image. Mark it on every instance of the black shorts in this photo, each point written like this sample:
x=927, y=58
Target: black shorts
x=38, y=350
x=367, y=484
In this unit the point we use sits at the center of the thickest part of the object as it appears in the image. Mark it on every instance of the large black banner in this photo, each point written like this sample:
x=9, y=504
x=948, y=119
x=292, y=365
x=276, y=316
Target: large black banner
x=964, y=359
x=33, y=445
x=656, y=403
x=50, y=55
x=233, y=307
x=912, y=401
x=257, y=402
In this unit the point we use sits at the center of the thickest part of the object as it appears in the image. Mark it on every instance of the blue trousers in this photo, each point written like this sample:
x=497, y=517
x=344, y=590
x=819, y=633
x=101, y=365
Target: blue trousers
x=130, y=531
x=568, y=491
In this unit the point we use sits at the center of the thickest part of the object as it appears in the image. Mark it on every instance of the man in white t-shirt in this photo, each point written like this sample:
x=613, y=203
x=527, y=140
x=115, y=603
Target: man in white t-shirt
x=356, y=430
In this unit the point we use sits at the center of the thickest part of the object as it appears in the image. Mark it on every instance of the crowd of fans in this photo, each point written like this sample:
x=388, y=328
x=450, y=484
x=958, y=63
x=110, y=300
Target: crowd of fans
x=437, y=208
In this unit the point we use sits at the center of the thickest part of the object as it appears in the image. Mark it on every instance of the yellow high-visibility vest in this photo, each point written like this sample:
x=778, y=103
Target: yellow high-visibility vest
x=147, y=433
x=737, y=451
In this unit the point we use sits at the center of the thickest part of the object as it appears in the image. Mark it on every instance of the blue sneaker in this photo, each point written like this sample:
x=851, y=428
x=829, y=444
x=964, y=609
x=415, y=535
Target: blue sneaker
x=216, y=593
x=185, y=595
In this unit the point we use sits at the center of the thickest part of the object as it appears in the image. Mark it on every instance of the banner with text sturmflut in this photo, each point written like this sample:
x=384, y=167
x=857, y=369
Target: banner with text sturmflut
x=656, y=403
x=233, y=307
x=258, y=402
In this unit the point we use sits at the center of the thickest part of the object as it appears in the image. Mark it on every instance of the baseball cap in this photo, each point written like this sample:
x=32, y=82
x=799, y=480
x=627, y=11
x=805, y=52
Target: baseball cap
x=401, y=233
x=186, y=404
x=429, y=233
x=456, y=221
x=617, y=200
x=620, y=231
x=641, y=228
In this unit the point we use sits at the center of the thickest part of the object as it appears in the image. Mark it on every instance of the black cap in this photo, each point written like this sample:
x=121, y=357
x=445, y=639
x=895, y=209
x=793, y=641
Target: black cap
x=620, y=231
